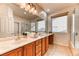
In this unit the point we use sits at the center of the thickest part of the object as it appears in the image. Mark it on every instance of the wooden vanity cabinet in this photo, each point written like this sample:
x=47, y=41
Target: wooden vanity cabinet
x=38, y=48
x=29, y=49
x=46, y=43
x=16, y=52
x=51, y=37
x=43, y=46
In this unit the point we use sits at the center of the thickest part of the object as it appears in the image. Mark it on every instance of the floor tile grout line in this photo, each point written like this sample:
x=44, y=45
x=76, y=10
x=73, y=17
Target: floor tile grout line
x=53, y=49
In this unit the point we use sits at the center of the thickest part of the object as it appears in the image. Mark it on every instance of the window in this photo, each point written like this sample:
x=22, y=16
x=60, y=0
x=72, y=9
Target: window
x=41, y=26
x=59, y=24
x=32, y=26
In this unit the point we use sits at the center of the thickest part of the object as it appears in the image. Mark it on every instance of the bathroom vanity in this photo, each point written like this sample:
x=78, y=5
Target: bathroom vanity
x=27, y=46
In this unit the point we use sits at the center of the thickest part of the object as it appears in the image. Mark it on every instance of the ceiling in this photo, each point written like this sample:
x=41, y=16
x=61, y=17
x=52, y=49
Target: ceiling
x=55, y=7
x=49, y=8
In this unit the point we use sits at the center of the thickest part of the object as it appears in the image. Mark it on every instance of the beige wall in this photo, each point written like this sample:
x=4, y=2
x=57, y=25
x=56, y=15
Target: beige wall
x=61, y=39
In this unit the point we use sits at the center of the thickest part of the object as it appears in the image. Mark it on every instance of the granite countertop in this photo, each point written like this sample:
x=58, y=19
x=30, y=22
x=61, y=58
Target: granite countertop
x=10, y=43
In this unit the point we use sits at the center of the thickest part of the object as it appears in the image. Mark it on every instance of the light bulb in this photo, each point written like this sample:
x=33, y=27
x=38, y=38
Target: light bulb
x=22, y=5
x=35, y=12
x=31, y=10
x=27, y=7
x=24, y=12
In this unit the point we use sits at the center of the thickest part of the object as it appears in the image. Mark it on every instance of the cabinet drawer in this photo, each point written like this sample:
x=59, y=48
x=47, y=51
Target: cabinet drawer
x=38, y=42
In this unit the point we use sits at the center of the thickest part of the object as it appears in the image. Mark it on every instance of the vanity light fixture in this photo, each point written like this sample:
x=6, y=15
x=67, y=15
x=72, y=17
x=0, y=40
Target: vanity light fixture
x=24, y=12
x=30, y=7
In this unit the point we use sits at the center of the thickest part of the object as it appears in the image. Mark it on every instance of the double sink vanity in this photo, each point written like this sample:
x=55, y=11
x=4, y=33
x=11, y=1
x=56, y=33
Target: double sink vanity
x=26, y=45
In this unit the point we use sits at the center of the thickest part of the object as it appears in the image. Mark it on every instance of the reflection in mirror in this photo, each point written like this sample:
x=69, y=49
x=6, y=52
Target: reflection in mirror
x=16, y=28
x=24, y=27
x=33, y=26
x=41, y=26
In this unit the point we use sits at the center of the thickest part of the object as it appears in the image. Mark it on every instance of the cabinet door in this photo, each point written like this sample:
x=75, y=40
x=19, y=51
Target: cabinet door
x=51, y=39
x=43, y=46
x=38, y=48
x=20, y=51
x=16, y=52
x=46, y=43
x=29, y=50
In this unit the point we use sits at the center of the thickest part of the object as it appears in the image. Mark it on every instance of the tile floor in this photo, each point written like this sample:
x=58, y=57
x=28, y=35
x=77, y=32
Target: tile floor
x=58, y=50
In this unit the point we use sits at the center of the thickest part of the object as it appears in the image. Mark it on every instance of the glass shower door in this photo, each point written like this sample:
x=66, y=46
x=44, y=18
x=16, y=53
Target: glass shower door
x=75, y=32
